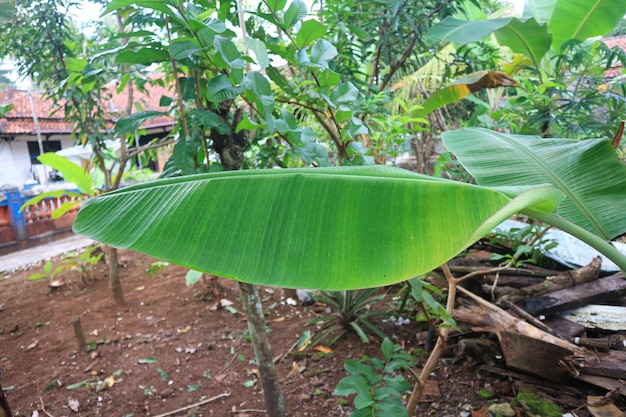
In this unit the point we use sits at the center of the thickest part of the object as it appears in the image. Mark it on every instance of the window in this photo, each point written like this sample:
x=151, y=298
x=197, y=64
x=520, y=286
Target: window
x=48, y=146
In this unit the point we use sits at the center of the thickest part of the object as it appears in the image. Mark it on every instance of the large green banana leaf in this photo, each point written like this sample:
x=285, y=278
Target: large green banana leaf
x=334, y=228
x=583, y=19
x=567, y=19
x=588, y=172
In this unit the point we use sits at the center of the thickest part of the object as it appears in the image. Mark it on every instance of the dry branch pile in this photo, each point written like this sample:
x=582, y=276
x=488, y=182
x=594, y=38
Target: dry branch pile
x=564, y=332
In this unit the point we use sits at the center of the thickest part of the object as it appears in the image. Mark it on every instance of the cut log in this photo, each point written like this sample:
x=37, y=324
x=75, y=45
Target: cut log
x=563, y=280
x=528, y=379
x=610, y=365
x=570, y=298
x=537, y=357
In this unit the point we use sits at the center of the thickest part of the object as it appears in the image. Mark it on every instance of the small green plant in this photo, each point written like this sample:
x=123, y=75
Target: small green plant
x=526, y=243
x=84, y=262
x=155, y=267
x=377, y=383
x=422, y=292
x=351, y=311
x=49, y=271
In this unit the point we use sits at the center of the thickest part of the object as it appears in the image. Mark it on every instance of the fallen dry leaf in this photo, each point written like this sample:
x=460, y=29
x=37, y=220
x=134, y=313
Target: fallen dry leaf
x=295, y=369
x=109, y=381
x=323, y=349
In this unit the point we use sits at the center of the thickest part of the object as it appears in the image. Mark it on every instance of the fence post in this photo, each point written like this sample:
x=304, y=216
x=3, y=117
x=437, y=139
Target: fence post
x=18, y=218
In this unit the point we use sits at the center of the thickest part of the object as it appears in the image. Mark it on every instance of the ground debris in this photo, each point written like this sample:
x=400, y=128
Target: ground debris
x=545, y=339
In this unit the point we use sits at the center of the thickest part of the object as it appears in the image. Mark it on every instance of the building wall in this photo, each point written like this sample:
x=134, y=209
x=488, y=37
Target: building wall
x=15, y=162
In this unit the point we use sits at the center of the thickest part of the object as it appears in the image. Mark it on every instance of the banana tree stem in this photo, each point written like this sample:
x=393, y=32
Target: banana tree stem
x=591, y=239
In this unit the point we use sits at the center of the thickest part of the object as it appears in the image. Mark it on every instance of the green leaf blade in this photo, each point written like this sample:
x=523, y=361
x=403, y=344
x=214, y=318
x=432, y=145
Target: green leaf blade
x=70, y=171
x=526, y=37
x=310, y=31
x=594, y=201
x=583, y=19
x=298, y=227
x=462, y=31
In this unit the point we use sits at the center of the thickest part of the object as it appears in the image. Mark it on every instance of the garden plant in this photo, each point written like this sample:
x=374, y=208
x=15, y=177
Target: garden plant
x=274, y=86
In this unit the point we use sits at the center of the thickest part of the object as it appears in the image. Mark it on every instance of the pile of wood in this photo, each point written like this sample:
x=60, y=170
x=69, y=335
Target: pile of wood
x=566, y=331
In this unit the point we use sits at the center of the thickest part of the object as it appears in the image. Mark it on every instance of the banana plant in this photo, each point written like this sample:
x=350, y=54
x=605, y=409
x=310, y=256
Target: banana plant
x=361, y=227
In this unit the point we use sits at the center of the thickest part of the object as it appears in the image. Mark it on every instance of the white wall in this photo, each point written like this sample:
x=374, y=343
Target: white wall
x=15, y=163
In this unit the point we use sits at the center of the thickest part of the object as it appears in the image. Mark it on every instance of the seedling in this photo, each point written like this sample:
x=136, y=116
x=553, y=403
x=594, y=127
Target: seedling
x=83, y=262
x=156, y=267
x=50, y=272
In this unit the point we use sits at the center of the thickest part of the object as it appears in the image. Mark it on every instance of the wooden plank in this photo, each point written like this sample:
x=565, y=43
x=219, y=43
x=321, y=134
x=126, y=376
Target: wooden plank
x=577, y=296
x=595, y=316
x=599, y=407
x=565, y=328
x=609, y=384
x=535, y=356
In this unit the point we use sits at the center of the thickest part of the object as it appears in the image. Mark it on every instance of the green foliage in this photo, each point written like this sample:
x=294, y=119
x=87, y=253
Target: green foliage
x=422, y=292
x=155, y=268
x=564, y=89
x=49, y=271
x=192, y=277
x=526, y=244
x=72, y=173
x=377, y=383
x=338, y=240
x=532, y=161
x=351, y=310
x=7, y=9
x=83, y=262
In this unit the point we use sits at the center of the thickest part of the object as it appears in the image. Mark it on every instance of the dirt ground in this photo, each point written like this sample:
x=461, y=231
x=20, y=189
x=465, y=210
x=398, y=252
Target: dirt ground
x=169, y=348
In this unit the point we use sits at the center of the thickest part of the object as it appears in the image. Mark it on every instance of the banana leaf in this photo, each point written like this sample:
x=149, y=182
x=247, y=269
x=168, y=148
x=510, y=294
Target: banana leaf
x=324, y=228
x=588, y=172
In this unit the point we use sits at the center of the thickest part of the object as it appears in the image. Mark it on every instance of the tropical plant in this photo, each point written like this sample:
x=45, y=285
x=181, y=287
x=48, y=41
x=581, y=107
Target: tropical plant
x=84, y=262
x=525, y=244
x=351, y=310
x=71, y=173
x=393, y=224
x=49, y=271
x=155, y=267
x=377, y=383
x=564, y=91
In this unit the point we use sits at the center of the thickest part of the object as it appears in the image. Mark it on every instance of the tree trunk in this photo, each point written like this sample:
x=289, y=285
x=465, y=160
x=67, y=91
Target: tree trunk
x=114, y=278
x=274, y=402
x=230, y=147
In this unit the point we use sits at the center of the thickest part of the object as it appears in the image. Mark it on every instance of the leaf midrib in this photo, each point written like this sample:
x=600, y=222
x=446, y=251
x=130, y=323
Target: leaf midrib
x=556, y=180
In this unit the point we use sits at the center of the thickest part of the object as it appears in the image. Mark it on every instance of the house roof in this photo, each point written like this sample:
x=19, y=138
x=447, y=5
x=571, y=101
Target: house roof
x=619, y=41
x=19, y=121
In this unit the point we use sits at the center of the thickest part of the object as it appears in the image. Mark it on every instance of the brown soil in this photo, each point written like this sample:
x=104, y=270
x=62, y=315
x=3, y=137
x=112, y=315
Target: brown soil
x=169, y=348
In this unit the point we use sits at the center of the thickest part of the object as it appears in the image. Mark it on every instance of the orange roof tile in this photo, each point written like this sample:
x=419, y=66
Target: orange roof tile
x=19, y=121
